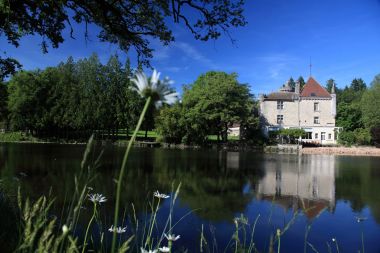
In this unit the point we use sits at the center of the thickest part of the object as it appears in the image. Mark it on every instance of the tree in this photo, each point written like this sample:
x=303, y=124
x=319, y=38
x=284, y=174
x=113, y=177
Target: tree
x=291, y=135
x=349, y=116
x=217, y=100
x=170, y=123
x=128, y=24
x=329, y=84
x=3, y=105
x=74, y=97
x=370, y=104
x=292, y=84
x=301, y=81
x=358, y=84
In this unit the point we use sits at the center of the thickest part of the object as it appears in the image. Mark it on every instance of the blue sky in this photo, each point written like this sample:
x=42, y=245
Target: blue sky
x=342, y=37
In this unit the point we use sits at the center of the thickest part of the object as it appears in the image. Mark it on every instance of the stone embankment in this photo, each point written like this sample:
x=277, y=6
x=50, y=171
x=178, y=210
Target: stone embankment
x=360, y=151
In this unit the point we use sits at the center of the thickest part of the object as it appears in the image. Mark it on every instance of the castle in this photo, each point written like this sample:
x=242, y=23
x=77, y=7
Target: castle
x=311, y=108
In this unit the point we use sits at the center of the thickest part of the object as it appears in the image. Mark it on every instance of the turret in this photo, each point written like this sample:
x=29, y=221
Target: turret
x=333, y=100
x=297, y=88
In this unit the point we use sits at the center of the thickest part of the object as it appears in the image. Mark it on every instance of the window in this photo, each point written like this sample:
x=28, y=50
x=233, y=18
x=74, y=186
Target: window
x=316, y=136
x=316, y=107
x=316, y=120
x=280, y=119
x=323, y=136
x=330, y=136
x=280, y=105
x=308, y=136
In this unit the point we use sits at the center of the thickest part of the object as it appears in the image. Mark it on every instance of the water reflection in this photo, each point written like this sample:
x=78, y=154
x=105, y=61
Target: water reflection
x=304, y=183
x=217, y=186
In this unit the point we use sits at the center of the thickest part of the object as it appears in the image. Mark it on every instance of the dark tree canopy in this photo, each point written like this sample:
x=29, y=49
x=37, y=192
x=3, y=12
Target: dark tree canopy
x=301, y=81
x=292, y=83
x=127, y=23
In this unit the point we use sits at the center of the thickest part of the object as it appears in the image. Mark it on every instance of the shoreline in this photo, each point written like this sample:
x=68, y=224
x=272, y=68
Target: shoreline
x=345, y=151
x=349, y=151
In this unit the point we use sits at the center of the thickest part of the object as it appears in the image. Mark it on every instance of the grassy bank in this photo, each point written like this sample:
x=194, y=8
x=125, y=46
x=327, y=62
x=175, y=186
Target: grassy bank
x=17, y=137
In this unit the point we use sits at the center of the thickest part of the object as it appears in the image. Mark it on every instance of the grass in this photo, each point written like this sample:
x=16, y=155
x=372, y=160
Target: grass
x=229, y=138
x=16, y=137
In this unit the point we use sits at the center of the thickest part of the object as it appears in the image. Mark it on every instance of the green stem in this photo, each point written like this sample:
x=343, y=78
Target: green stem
x=122, y=170
x=152, y=223
x=88, y=228
x=170, y=245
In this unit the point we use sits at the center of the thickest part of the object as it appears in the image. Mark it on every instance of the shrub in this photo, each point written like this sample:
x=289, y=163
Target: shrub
x=346, y=138
x=375, y=134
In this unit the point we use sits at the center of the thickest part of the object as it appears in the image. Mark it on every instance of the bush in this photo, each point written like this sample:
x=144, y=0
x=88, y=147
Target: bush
x=375, y=134
x=346, y=138
x=359, y=136
x=362, y=136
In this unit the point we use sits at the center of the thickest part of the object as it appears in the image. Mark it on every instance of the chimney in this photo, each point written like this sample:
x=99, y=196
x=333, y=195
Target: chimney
x=297, y=88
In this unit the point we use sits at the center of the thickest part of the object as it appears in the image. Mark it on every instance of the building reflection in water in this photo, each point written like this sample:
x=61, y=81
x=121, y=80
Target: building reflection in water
x=305, y=182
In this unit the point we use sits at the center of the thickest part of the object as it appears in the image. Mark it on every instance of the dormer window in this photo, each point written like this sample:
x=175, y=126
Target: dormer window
x=280, y=105
x=312, y=94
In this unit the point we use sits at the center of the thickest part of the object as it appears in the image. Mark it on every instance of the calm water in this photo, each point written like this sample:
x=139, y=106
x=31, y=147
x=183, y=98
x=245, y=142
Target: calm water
x=326, y=193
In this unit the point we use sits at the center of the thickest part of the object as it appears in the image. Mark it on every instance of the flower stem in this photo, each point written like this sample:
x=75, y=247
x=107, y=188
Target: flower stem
x=88, y=228
x=152, y=224
x=122, y=170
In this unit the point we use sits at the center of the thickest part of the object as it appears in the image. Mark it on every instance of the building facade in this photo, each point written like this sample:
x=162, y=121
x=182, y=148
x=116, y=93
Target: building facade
x=312, y=109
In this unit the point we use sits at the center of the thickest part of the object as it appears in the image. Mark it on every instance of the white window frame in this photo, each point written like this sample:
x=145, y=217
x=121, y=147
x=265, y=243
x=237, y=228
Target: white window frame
x=280, y=105
x=316, y=106
x=280, y=119
x=329, y=136
x=323, y=136
x=316, y=136
x=316, y=120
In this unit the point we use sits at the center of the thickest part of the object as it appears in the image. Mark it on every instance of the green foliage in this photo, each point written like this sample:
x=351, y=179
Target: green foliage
x=359, y=136
x=15, y=137
x=375, y=135
x=370, y=104
x=362, y=136
x=215, y=101
x=292, y=83
x=74, y=96
x=289, y=135
x=210, y=105
x=8, y=66
x=10, y=223
x=301, y=81
x=349, y=116
x=358, y=85
x=329, y=84
x=128, y=24
x=170, y=123
x=292, y=132
x=3, y=105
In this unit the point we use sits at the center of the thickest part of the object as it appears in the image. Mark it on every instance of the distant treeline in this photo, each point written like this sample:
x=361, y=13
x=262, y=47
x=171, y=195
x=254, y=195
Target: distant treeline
x=78, y=98
x=72, y=100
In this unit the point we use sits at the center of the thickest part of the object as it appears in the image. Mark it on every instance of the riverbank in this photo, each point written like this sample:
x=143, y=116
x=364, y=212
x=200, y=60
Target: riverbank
x=356, y=151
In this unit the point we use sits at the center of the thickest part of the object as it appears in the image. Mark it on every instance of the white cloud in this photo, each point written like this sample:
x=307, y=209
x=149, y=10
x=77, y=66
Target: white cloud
x=194, y=54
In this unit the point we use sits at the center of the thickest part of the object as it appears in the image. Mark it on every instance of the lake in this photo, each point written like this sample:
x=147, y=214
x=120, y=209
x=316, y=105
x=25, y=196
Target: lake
x=321, y=196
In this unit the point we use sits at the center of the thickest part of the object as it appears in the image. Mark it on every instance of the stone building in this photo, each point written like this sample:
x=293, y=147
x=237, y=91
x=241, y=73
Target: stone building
x=313, y=109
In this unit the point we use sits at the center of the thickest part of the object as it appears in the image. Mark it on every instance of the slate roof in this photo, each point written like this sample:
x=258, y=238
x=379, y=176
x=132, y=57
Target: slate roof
x=313, y=89
x=288, y=96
